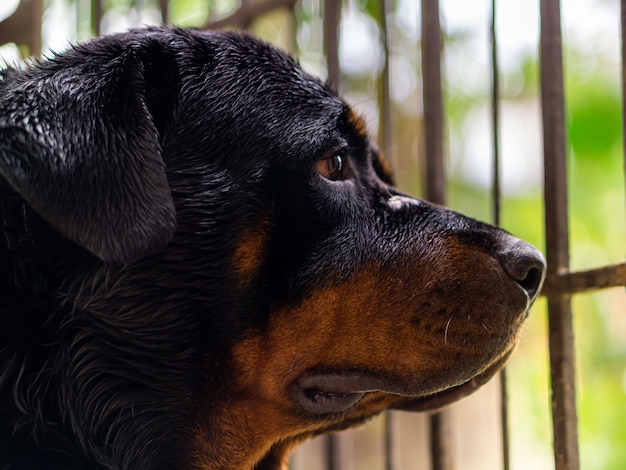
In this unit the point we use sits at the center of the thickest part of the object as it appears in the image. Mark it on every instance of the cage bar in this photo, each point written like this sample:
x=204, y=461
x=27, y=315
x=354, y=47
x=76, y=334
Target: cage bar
x=561, y=335
x=165, y=11
x=623, y=37
x=433, y=102
x=331, y=448
x=384, y=85
x=385, y=142
x=97, y=11
x=440, y=436
x=496, y=210
x=332, y=15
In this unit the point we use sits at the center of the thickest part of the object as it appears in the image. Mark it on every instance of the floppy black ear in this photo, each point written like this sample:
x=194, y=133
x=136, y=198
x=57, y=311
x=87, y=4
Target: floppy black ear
x=79, y=142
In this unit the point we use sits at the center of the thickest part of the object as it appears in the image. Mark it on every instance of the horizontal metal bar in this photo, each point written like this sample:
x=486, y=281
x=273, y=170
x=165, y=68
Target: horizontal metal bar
x=581, y=281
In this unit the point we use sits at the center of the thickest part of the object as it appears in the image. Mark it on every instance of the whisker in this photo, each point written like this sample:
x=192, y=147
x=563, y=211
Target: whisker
x=445, y=336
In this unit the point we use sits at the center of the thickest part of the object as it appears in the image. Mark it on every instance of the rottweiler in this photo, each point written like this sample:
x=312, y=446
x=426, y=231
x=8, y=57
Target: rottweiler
x=204, y=262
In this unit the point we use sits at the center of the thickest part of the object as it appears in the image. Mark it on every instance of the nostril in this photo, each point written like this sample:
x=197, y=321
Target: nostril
x=532, y=281
x=524, y=264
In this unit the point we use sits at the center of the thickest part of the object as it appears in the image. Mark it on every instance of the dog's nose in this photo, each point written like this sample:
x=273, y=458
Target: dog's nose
x=524, y=264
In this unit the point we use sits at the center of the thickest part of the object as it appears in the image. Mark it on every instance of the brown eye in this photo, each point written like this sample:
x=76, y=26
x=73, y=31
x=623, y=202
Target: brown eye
x=332, y=168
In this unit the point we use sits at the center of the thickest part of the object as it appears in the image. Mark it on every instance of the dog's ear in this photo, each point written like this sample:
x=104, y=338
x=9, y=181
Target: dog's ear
x=80, y=142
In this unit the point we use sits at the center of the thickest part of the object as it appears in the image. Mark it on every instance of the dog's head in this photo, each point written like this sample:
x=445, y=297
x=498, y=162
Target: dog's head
x=227, y=268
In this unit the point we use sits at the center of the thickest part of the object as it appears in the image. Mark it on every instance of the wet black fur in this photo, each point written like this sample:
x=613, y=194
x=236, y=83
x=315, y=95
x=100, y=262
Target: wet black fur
x=129, y=167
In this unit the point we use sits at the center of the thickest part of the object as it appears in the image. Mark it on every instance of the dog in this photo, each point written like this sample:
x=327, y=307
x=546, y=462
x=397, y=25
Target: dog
x=204, y=262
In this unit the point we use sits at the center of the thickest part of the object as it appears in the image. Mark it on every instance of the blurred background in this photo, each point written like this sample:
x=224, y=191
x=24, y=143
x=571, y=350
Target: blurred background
x=597, y=208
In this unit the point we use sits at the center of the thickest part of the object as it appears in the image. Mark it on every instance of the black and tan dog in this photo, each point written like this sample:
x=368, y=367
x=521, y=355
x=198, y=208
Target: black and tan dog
x=203, y=263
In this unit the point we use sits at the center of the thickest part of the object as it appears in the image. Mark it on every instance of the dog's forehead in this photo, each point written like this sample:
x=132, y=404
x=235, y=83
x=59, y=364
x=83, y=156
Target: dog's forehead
x=255, y=99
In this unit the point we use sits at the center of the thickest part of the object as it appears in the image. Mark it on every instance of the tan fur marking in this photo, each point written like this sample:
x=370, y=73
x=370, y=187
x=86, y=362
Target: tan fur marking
x=250, y=253
x=357, y=123
x=380, y=164
x=411, y=322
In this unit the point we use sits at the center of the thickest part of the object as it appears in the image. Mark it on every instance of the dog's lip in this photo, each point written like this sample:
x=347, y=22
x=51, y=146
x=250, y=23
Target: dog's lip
x=445, y=397
x=335, y=392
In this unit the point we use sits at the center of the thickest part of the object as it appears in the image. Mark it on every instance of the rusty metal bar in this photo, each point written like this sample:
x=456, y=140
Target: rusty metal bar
x=440, y=435
x=495, y=117
x=623, y=31
x=332, y=15
x=390, y=460
x=164, y=6
x=562, y=371
x=97, y=10
x=440, y=441
x=333, y=458
x=600, y=278
x=562, y=365
x=384, y=99
x=23, y=27
x=504, y=420
x=496, y=199
x=433, y=102
x=384, y=141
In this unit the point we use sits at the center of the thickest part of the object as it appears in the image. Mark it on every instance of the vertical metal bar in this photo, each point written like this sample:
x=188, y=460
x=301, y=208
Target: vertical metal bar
x=333, y=460
x=384, y=100
x=293, y=31
x=384, y=140
x=433, y=101
x=564, y=417
x=165, y=12
x=97, y=10
x=504, y=420
x=495, y=116
x=390, y=455
x=561, y=334
x=441, y=457
x=332, y=13
x=440, y=441
x=623, y=30
x=496, y=196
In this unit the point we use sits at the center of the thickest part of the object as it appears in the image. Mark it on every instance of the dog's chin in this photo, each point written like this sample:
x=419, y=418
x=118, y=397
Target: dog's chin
x=340, y=392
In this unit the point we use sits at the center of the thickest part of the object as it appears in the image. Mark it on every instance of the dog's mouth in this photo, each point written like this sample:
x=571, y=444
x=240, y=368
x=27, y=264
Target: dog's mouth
x=323, y=393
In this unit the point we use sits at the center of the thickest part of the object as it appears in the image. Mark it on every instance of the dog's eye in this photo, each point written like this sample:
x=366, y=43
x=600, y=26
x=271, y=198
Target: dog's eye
x=333, y=167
